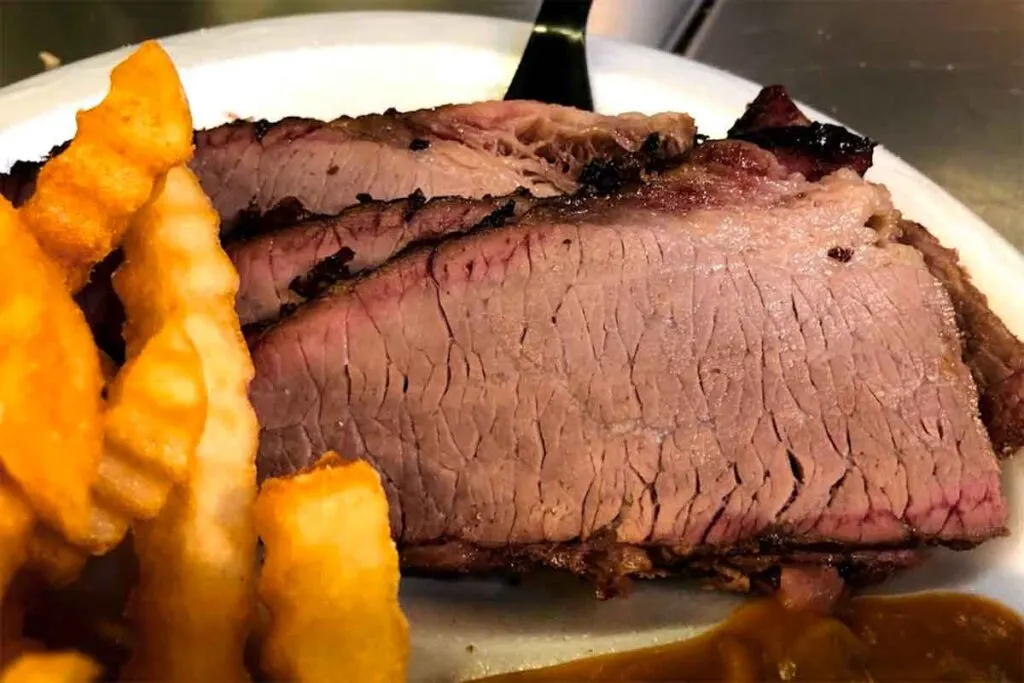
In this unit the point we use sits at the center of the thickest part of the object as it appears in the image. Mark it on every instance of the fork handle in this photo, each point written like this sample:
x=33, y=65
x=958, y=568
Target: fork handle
x=554, y=66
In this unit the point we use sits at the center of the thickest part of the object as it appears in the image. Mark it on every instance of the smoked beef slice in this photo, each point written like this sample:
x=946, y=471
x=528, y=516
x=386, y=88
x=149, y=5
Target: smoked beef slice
x=467, y=150
x=290, y=256
x=285, y=267
x=726, y=361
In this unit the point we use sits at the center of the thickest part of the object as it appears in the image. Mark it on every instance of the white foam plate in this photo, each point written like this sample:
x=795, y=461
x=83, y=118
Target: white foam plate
x=354, y=63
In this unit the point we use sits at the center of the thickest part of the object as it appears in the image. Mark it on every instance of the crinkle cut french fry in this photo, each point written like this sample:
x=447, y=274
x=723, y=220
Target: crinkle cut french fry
x=330, y=577
x=51, y=667
x=152, y=425
x=157, y=406
x=50, y=384
x=120, y=464
x=85, y=197
x=193, y=606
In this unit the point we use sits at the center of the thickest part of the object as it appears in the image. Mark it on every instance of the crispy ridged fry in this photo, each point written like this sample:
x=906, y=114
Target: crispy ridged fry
x=193, y=606
x=120, y=465
x=330, y=577
x=155, y=417
x=50, y=384
x=51, y=667
x=82, y=204
x=157, y=406
x=85, y=197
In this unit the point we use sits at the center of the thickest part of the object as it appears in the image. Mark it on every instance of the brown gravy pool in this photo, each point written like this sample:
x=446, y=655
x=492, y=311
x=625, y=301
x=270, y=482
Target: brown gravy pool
x=932, y=637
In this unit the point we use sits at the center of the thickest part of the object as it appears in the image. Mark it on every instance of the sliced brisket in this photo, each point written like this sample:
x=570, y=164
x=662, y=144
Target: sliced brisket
x=683, y=366
x=290, y=256
x=285, y=267
x=466, y=150
x=722, y=371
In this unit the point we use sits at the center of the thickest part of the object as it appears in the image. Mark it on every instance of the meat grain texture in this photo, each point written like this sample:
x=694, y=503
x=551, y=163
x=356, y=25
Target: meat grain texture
x=680, y=366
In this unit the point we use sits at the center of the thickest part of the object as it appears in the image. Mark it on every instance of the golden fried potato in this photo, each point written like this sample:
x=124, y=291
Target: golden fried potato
x=82, y=204
x=157, y=408
x=85, y=197
x=193, y=607
x=51, y=667
x=330, y=577
x=155, y=416
x=51, y=433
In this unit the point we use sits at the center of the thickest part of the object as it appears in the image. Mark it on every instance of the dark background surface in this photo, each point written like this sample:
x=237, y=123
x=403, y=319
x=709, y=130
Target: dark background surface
x=938, y=82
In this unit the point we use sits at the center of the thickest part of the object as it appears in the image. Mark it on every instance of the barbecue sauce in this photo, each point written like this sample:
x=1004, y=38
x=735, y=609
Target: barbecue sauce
x=933, y=637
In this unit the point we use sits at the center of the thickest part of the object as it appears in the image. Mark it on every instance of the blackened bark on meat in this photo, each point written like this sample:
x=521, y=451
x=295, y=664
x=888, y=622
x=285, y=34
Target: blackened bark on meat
x=610, y=565
x=324, y=274
x=103, y=310
x=774, y=122
x=18, y=184
x=414, y=203
x=285, y=213
x=772, y=108
x=261, y=127
x=815, y=150
x=419, y=144
x=607, y=175
x=1002, y=411
x=498, y=217
x=364, y=198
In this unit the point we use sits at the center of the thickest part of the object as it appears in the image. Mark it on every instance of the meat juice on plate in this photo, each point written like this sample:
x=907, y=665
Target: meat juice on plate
x=929, y=637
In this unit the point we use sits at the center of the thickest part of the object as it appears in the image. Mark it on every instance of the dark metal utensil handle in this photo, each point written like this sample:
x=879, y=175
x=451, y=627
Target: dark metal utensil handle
x=554, y=65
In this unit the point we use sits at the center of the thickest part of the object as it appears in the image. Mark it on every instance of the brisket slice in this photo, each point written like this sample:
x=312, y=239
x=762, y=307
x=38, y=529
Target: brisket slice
x=291, y=250
x=994, y=355
x=281, y=269
x=291, y=256
x=722, y=358
x=467, y=150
